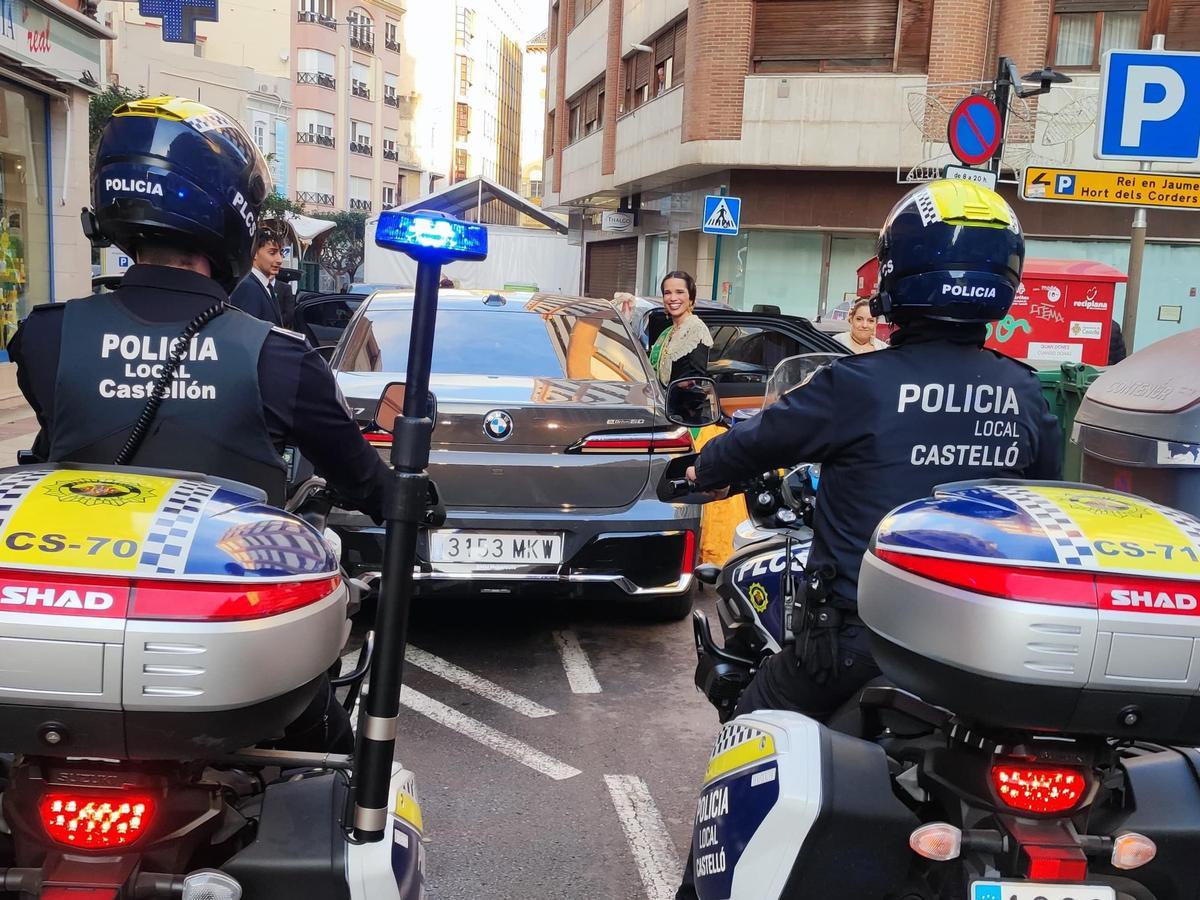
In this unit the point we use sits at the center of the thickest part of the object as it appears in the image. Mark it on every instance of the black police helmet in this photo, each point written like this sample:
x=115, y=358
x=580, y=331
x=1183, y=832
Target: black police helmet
x=950, y=250
x=175, y=172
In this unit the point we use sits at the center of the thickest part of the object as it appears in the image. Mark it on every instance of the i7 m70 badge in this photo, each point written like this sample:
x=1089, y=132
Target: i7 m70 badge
x=498, y=425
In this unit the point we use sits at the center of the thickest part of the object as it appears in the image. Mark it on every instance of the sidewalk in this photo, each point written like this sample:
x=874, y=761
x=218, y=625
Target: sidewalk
x=17, y=422
x=8, y=382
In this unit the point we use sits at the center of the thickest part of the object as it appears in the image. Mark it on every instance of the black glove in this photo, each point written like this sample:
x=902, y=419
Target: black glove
x=816, y=625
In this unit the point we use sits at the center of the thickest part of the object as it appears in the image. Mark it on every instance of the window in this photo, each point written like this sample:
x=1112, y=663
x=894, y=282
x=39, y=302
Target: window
x=588, y=6
x=360, y=194
x=587, y=111
x=391, y=35
x=24, y=224
x=462, y=121
x=1084, y=29
x=316, y=67
x=647, y=75
x=552, y=35
x=321, y=11
x=824, y=35
x=260, y=136
x=536, y=188
x=460, y=165
x=360, y=138
x=390, y=151
x=360, y=84
x=391, y=89
x=315, y=186
x=550, y=139
x=574, y=123
x=466, y=69
x=389, y=196
x=362, y=30
x=315, y=126
x=464, y=27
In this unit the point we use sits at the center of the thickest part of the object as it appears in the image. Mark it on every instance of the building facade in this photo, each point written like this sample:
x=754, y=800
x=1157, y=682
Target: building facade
x=820, y=115
x=533, y=121
x=51, y=62
x=352, y=145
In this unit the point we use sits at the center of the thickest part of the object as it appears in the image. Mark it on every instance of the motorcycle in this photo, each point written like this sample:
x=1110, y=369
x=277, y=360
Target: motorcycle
x=158, y=632
x=1031, y=736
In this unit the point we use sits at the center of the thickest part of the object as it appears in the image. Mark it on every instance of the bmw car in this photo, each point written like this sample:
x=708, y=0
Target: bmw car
x=549, y=441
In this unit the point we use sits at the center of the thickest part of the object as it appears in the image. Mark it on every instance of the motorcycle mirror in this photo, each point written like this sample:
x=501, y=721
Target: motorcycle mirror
x=708, y=573
x=693, y=402
x=391, y=406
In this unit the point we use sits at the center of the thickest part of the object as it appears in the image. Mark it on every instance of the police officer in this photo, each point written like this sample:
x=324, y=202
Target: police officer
x=888, y=427
x=178, y=186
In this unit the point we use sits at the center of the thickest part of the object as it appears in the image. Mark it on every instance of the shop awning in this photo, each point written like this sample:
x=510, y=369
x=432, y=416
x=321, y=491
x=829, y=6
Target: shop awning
x=457, y=199
x=306, y=228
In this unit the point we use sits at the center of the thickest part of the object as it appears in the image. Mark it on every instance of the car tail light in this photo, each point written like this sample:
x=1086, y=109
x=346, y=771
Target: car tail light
x=1000, y=579
x=1132, y=850
x=96, y=821
x=203, y=602
x=378, y=438
x=674, y=440
x=1038, y=789
x=689, y=553
x=938, y=841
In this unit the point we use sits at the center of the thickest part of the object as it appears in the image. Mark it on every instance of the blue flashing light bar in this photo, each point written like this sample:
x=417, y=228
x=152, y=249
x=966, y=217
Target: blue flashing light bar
x=429, y=235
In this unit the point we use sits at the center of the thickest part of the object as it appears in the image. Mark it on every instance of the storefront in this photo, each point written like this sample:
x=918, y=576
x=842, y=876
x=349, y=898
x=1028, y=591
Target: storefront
x=50, y=64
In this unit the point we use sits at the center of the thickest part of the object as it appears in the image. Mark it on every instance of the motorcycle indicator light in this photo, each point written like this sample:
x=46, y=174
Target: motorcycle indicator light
x=938, y=841
x=1132, y=850
x=95, y=821
x=1038, y=789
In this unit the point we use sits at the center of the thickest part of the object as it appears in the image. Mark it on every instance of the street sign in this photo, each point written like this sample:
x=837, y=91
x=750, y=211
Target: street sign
x=986, y=177
x=1139, y=189
x=975, y=130
x=616, y=221
x=722, y=215
x=1149, y=106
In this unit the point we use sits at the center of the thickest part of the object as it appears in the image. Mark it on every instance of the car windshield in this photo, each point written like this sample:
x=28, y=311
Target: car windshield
x=500, y=342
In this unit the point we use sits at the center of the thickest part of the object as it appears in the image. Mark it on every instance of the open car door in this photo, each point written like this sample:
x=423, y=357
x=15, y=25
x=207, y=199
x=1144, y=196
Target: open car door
x=323, y=317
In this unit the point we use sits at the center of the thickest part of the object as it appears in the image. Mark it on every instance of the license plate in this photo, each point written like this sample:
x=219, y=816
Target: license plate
x=450, y=546
x=1028, y=890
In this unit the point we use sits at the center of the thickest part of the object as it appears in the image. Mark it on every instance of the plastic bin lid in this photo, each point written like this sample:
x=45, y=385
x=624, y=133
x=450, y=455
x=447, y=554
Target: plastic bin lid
x=1162, y=378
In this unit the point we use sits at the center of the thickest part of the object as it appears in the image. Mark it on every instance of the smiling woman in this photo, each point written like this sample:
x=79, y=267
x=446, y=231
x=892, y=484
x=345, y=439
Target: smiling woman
x=681, y=350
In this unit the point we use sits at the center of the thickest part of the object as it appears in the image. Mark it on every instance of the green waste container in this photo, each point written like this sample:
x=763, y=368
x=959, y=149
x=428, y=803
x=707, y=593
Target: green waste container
x=1063, y=386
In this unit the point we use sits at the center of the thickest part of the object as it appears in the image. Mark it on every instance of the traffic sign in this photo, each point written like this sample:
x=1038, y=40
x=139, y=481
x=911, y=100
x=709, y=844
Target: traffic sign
x=1149, y=106
x=1142, y=189
x=986, y=177
x=722, y=215
x=975, y=130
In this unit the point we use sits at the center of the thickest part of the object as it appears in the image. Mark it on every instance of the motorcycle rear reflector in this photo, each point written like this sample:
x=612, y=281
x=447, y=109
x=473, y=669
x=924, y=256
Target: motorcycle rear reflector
x=674, y=440
x=1055, y=863
x=1132, y=850
x=938, y=841
x=1038, y=789
x=207, y=602
x=95, y=821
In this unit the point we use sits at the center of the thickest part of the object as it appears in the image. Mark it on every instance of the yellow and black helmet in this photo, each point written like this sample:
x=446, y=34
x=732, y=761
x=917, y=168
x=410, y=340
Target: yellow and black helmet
x=950, y=250
x=173, y=171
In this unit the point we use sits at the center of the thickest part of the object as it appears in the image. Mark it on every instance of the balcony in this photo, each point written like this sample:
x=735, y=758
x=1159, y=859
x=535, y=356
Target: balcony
x=388, y=203
x=391, y=98
x=391, y=155
x=394, y=46
x=307, y=15
x=363, y=42
x=360, y=205
x=359, y=89
x=315, y=197
x=361, y=149
x=313, y=137
x=320, y=79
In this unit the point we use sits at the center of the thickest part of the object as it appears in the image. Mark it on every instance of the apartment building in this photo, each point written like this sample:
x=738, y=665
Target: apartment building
x=352, y=147
x=816, y=113
x=533, y=122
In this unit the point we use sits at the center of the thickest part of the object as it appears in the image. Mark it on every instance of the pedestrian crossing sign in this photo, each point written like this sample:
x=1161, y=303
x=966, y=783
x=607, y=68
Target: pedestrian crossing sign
x=722, y=215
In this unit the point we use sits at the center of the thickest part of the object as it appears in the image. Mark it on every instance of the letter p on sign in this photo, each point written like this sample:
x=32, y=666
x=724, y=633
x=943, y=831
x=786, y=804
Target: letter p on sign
x=1149, y=106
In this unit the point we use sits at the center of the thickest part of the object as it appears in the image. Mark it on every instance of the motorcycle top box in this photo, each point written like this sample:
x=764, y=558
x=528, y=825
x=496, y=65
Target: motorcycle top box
x=1041, y=606
x=157, y=615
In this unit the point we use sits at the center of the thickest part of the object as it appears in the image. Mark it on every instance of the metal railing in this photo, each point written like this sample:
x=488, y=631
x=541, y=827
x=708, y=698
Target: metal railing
x=306, y=15
x=387, y=204
x=391, y=155
x=315, y=197
x=394, y=46
x=358, y=42
x=391, y=99
x=359, y=89
x=361, y=149
x=360, y=205
x=321, y=79
x=313, y=137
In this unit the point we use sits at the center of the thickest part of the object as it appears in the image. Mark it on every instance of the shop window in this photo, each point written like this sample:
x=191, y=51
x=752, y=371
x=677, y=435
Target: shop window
x=24, y=207
x=824, y=35
x=1083, y=30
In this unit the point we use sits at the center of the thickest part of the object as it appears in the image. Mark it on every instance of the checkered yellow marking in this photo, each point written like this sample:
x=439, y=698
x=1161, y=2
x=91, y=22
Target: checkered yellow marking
x=737, y=746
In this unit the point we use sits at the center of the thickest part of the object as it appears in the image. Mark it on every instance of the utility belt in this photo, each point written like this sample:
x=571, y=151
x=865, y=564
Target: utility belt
x=818, y=623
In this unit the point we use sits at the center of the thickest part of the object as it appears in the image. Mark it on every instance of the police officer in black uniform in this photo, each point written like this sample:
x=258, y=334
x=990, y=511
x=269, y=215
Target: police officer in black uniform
x=178, y=186
x=888, y=427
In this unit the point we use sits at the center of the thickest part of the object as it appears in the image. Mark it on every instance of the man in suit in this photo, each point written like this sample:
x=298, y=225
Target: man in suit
x=255, y=294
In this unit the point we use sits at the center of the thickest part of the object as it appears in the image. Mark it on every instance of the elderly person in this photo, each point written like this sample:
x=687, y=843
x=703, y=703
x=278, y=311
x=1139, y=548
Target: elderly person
x=861, y=336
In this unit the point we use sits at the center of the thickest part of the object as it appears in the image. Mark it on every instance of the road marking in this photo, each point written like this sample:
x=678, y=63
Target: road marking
x=648, y=838
x=476, y=684
x=575, y=660
x=486, y=735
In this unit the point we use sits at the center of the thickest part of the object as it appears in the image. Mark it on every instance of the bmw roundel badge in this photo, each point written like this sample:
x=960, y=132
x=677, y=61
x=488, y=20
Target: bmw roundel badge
x=498, y=425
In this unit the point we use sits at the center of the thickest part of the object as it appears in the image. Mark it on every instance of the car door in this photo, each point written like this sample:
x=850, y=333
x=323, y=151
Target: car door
x=323, y=318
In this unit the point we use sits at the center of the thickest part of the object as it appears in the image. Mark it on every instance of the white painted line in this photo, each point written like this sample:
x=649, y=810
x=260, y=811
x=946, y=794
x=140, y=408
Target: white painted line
x=575, y=660
x=648, y=838
x=486, y=735
x=476, y=684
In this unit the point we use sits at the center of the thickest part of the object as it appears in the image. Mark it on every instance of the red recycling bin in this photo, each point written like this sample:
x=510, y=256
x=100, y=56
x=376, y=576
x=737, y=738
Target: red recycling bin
x=1063, y=311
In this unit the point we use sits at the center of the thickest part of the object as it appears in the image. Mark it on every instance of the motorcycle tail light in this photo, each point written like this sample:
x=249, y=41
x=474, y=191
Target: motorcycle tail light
x=200, y=602
x=1038, y=789
x=1132, y=850
x=938, y=841
x=96, y=821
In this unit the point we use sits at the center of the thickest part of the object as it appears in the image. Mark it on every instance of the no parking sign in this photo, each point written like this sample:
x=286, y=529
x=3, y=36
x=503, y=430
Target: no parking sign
x=975, y=130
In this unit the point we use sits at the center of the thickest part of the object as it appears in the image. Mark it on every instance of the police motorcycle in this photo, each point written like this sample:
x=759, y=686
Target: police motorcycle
x=1033, y=735
x=158, y=630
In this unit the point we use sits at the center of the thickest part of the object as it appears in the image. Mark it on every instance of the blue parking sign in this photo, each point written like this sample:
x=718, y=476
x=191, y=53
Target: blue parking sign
x=1149, y=106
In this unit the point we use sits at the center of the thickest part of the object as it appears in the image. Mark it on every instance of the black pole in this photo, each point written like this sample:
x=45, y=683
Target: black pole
x=403, y=511
x=1003, y=86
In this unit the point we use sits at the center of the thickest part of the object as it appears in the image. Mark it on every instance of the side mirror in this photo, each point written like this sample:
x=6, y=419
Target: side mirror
x=708, y=573
x=693, y=402
x=391, y=407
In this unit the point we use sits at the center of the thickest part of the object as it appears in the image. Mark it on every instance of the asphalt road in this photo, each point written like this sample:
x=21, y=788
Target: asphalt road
x=596, y=800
